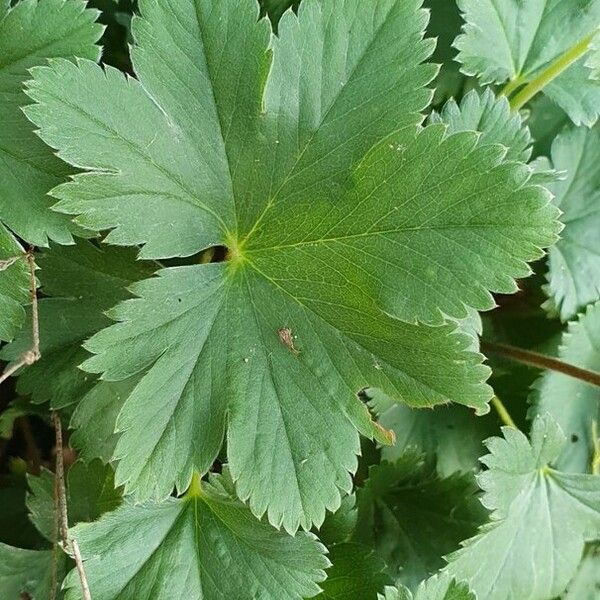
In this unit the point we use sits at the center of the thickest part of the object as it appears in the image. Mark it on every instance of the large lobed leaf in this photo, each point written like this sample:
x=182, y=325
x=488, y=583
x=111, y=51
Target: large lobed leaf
x=205, y=546
x=344, y=227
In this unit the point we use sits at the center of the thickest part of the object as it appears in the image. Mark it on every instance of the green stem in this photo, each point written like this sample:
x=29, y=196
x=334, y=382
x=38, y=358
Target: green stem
x=554, y=70
x=540, y=361
x=502, y=412
x=511, y=86
x=596, y=444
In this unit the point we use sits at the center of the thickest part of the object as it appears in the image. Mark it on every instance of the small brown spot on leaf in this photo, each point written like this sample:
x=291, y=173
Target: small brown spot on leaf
x=285, y=335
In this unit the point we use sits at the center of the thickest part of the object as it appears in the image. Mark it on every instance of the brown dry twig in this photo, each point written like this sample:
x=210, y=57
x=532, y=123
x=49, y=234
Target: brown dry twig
x=70, y=545
x=33, y=354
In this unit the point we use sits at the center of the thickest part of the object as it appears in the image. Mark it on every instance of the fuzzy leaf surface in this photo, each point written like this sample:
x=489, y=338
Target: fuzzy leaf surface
x=506, y=40
x=541, y=519
x=574, y=265
x=344, y=228
x=202, y=547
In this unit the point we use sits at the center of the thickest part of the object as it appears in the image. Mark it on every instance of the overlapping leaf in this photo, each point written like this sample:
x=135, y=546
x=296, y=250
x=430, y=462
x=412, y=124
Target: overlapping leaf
x=574, y=404
x=510, y=40
x=413, y=518
x=202, y=547
x=541, y=519
x=574, y=265
x=30, y=33
x=439, y=587
x=343, y=228
x=81, y=282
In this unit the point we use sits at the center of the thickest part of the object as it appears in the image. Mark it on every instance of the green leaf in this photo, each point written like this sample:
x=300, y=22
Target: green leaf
x=84, y=281
x=356, y=572
x=280, y=155
x=30, y=33
x=546, y=120
x=438, y=587
x=95, y=418
x=586, y=583
x=540, y=521
x=444, y=25
x=492, y=117
x=90, y=493
x=14, y=285
x=202, y=547
x=510, y=40
x=574, y=265
x=451, y=435
x=574, y=404
x=25, y=572
x=413, y=518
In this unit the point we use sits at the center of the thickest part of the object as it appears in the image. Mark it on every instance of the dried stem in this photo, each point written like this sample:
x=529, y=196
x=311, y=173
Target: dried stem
x=33, y=354
x=596, y=444
x=69, y=544
x=541, y=361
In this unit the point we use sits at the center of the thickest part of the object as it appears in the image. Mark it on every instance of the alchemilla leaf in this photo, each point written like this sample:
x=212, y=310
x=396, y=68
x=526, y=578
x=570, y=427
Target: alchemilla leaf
x=516, y=41
x=574, y=265
x=346, y=224
x=205, y=546
x=30, y=33
x=540, y=522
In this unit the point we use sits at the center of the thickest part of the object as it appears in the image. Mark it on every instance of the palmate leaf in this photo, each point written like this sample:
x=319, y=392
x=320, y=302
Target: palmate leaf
x=511, y=40
x=343, y=226
x=541, y=519
x=204, y=546
x=574, y=404
x=574, y=265
x=413, y=518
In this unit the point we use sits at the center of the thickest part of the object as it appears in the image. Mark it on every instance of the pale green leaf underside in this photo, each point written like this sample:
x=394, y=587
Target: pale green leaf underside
x=572, y=403
x=513, y=40
x=299, y=153
x=574, y=265
x=30, y=33
x=542, y=517
x=206, y=547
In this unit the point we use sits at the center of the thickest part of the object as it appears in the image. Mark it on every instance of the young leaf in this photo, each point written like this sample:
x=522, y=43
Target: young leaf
x=540, y=521
x=14, y=285
x=83, y=281
x=205, y=546
x=413, y=518
x=574, y=404
x=30, y=33
x=510, y=40
x=286, y=167
x=356, y=572
x=574, y=265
